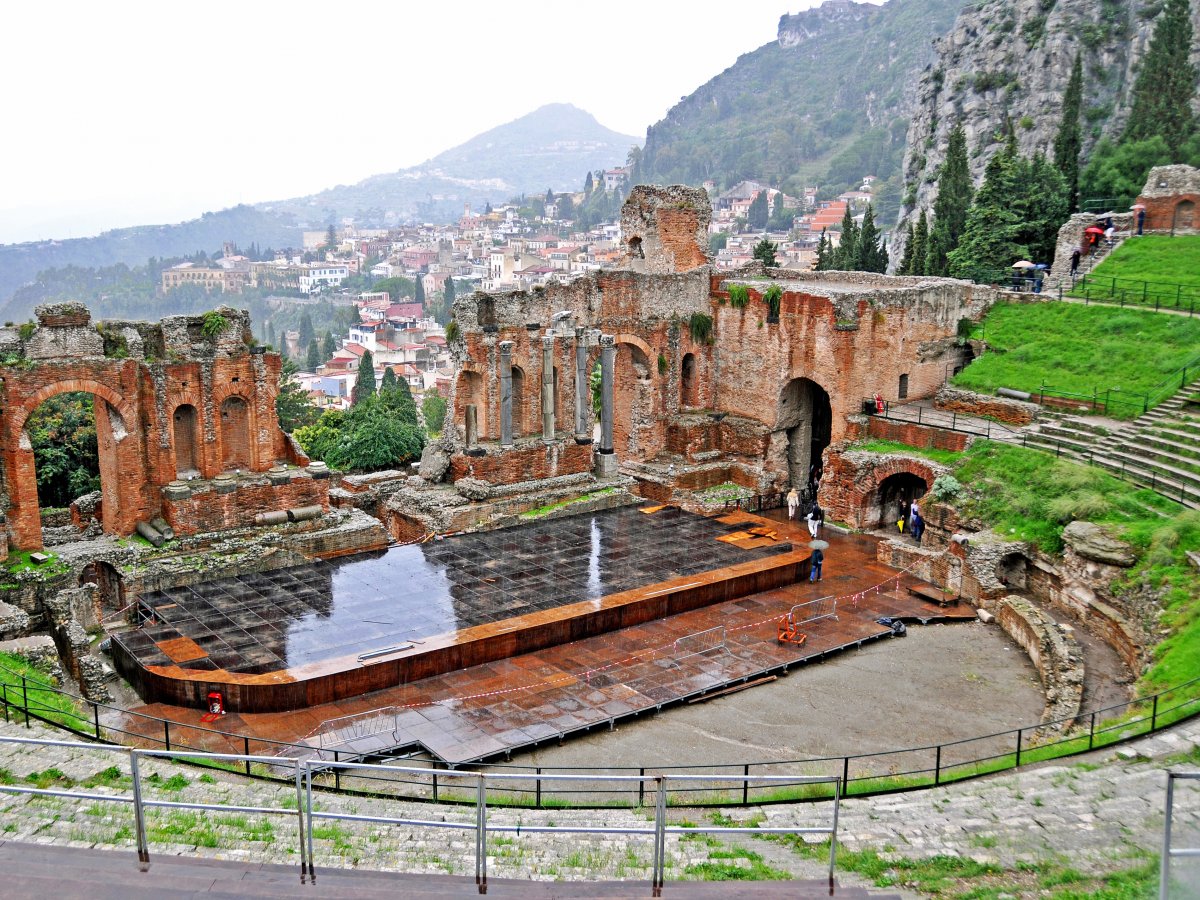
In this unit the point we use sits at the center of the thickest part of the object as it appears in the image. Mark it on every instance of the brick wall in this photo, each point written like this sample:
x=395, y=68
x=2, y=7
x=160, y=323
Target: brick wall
x=1002, y=409
x=526, y=463
x=850, y=490
x=917, y=435
x=1166, y=213
x=208, y=510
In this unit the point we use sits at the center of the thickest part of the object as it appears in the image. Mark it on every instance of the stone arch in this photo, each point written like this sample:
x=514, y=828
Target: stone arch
x=236, y=448
x=804, y=413
x=110, y=586
x=471, y=391
x=865, y=492
x=120, y=461
x=1184, y=217
x=883, y=506
x=1012, y=571
x=520, y=404
x=186, y=440
x=632, y=395
x=689, y=382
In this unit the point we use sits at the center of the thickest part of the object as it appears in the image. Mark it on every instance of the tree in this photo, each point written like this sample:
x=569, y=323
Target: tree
x=869, y=256
x=764, y=252
x=420, y=292
x=988, y=244
x=396, y=398
x=307, y=333
x=950, y=207
x=1166, y=82
x=587, y=185
x=906, y=261
x=331, y=240
x=566, y=208
x=718, y=242
x=433, y=408
x=314, y=355
x=448, y=293
x=396, y=287
x=291, y=403
x=1068, y=143
x=920, y=246
x=328, y=347
x=825, y=254
x=270, y=333
x=364, y=383
x=846, y=253
x=756, y=215
x=62, y=432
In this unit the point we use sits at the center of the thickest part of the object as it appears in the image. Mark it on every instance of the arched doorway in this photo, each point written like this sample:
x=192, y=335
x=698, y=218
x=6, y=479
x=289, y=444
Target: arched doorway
x=470, y=393
x=689, y=383
x=1185, y=216
x=805, y=415
x=235, y=434
x=894, y=493
x=520, y=414
x=185, y=440
x=1013, y=571
x=110, y=587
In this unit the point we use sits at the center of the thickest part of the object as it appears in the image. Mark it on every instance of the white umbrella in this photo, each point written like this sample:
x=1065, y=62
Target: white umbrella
x=819, y=545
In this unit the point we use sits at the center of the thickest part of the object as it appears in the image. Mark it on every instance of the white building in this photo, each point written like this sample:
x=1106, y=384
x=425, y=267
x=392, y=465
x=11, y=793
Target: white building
x=319, y=276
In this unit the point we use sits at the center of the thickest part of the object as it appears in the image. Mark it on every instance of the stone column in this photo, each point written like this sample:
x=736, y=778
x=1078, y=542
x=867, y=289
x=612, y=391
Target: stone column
x=472, y=425
x=583, y=387
x=506, y=429
x=548, y=387
x=606, y=459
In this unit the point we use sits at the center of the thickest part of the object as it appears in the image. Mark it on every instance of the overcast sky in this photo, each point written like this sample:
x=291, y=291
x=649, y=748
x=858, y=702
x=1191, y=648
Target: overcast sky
x=122, y=113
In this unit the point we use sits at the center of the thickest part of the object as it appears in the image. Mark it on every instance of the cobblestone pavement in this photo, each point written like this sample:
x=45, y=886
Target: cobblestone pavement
x=1095, y=812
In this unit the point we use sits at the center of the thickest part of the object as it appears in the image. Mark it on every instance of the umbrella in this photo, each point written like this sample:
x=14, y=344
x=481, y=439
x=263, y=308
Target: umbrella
x=1022, y=264
x=818, y=545
x=1138, y=206
x=1093, y=229
x=1041, y=266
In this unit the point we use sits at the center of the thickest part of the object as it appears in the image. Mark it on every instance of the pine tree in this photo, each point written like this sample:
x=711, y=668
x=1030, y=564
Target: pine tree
x=364, y=382
x=1162, y=93
x=868, y=256
x=328, y=346
x=587, y=185
x=449, y=294
x=988, y=245
x=420, y=294
x=756, y=215
x=307, y=334
x=920, y=246
x=846, y=254
x=1068, y=143
x=906, y=262
x=764, y=252
x=314, y=355
x=824, y=260
x=331, y=240
x=950, y=208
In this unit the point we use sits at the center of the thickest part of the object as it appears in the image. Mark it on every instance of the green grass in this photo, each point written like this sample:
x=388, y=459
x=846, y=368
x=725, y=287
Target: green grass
x=19, y=561
x=43, y=699
x=1158, y=258
x=734, y=864
x=946, y=457
x=1082, y=350
x=540, y=511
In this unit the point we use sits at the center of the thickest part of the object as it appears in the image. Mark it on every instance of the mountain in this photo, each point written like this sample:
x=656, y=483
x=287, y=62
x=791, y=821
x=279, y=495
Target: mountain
x=1006, y=63
x=20, y=263
x=552, y=147
x=826, y=103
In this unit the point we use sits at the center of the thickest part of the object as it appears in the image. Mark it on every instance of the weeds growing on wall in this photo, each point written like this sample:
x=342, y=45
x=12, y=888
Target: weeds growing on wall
x=739, y=296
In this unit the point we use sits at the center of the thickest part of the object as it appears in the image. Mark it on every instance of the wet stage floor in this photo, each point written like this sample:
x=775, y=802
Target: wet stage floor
x=493, y=708
x=290, y=618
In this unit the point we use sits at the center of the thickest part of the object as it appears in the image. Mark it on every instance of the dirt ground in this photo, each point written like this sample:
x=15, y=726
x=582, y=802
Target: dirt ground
x=940, y=683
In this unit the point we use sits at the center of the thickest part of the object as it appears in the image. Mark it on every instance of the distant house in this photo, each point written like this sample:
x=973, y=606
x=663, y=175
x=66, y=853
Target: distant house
x=228, y=280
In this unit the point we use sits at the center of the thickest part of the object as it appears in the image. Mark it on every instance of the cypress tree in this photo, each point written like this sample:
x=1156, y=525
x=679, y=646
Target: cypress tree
x=1162, y=93
x=1068, y=143
x=270, y=332
x=314, y=355
x=387, y=382
x=988, y=245
x=448, y=294
x=920, y=246
x=846, y=253
x=306, y=330
x=420, y=295
x=824, y=254
x=906, y=261
x=364, y=383
x=328, y=346
x=756, y=215
x=950, y=208
x=867, y=253
x=587, y=185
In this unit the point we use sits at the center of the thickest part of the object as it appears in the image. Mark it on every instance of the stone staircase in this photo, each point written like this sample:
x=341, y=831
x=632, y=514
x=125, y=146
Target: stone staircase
x=1160, y=449
x=1086, y=264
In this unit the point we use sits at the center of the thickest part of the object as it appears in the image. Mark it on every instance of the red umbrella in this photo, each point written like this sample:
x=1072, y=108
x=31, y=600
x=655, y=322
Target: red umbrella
x=1093, y=230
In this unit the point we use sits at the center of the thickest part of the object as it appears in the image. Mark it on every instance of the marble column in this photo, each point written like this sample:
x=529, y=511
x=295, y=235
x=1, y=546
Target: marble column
x=548, y=387
x=583, y=387
x=472, y=425
x=506, y=428
x=608, y=360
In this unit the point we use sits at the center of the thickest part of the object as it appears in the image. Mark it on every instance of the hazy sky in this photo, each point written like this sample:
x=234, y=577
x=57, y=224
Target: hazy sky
x=122, y=113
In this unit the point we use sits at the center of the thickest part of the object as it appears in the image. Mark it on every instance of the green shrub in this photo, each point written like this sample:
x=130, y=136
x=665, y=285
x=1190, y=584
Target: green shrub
x=213, y=323
x=700, y=328
x=26, y=330
x=773, y=297
x=739, y=296
x=946, y=488
x=452, y=331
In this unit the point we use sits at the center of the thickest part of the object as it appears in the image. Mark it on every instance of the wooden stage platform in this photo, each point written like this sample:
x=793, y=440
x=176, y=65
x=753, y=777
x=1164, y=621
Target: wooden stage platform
x=492, y=709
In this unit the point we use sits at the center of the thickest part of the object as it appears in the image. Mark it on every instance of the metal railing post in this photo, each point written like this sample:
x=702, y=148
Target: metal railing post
x=308, y=812
x=538, y=801
x=837, y=803
x=745, y=784
x=435, y=781
x=642, y=787
x=166, y=735
x=139, y=813
x=4, y=696
x=846, y=776
x=660, y=836
x=481, y=827
x=25, y=699
x=1092, y=732
x=337, y=772
x=300, y=820
x=246, y=747
x=96, y=717
x=1154, y=713
x=937, y=767
x=1017, y=765
x=1164, y=875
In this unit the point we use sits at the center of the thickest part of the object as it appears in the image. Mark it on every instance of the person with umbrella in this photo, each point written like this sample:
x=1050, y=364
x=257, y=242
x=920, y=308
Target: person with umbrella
x=1092, y=235
x=1039, y=273
x=817, y=559
x=1020, y=273
x=1141, y=215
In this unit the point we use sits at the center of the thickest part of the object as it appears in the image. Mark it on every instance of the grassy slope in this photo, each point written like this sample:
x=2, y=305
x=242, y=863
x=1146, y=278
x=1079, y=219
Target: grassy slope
x=1155, y=257
x=1081, y=349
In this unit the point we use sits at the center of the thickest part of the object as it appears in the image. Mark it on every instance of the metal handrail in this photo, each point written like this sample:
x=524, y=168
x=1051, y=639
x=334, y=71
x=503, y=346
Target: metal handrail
x=1169, y=852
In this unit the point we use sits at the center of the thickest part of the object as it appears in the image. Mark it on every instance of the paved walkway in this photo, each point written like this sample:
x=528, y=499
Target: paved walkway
x=1097, y=811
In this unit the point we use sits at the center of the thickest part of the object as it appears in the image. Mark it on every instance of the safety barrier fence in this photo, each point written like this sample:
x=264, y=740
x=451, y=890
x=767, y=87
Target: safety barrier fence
x=813, y=611
x=700, y=642
x=1178, y=491
x=476, y=785
x=1110, y=290
x=1167, y=888
x=531, y=786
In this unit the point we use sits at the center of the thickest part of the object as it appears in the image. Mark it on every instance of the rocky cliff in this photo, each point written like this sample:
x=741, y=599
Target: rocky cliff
x=1009, y=61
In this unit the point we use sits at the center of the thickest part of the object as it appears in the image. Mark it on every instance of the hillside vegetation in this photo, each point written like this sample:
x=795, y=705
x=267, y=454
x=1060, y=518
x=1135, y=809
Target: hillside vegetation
x=790, y=115
x=1081, y=349
x=1155, y=257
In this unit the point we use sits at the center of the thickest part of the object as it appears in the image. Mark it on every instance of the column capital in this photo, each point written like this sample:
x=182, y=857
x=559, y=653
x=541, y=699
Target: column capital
x=580, y=334
x=547, y=342
x=607, y=341
x=506, y=348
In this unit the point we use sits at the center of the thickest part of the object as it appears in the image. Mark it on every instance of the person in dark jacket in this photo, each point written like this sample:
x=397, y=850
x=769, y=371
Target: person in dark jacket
x=817, y=559
x=1075, y=256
